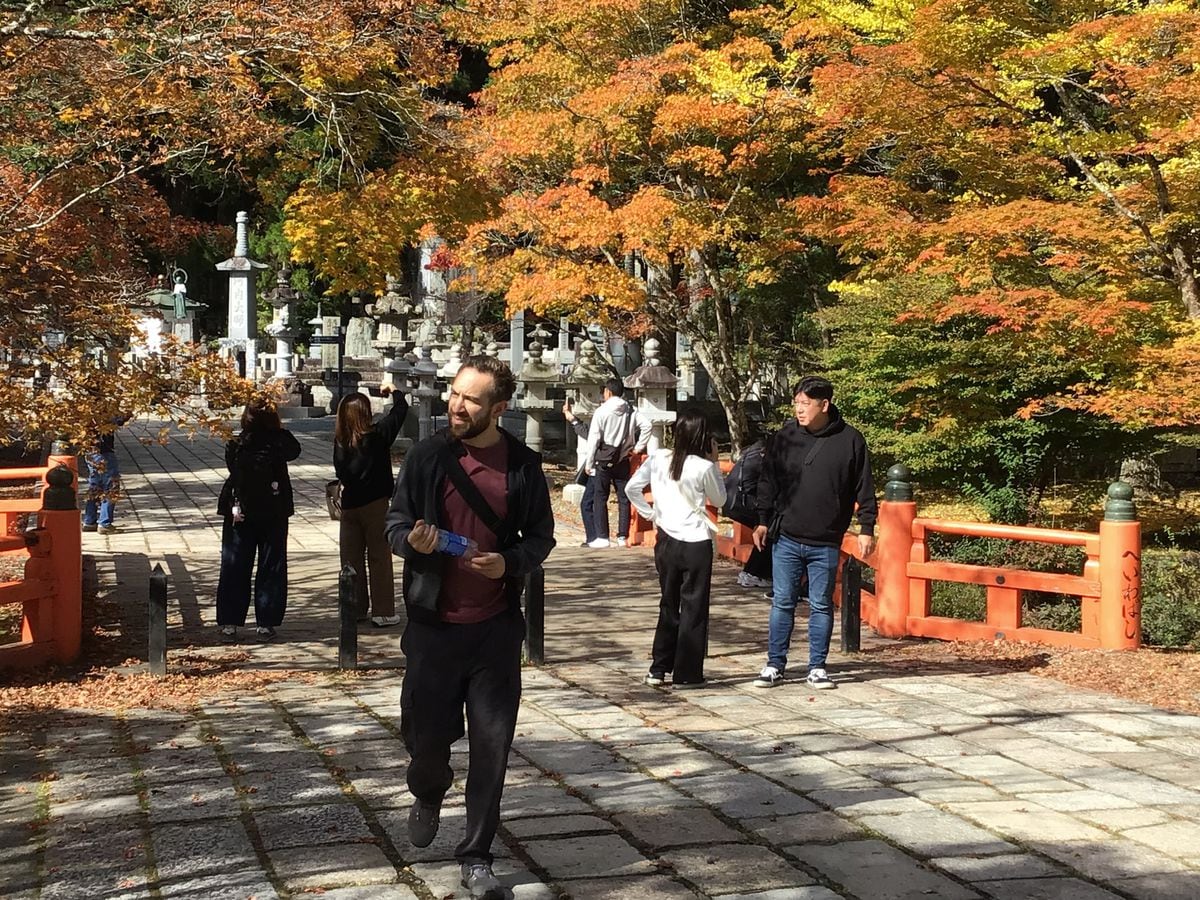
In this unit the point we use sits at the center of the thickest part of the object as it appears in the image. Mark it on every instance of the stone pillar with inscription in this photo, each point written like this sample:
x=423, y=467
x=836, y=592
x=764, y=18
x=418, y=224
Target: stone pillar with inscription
x=241, y=331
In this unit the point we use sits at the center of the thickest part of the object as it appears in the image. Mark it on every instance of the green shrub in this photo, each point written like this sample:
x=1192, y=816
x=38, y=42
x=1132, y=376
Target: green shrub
x=1171, y=598
x=959, y=601
x=1053, y=611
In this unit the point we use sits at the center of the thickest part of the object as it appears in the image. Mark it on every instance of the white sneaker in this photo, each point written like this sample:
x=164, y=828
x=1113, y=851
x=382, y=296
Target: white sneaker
x=819, y=680
x=599, y=544
x=385, y=621
x=768, y=677
x=621, y=542
x=746, y=580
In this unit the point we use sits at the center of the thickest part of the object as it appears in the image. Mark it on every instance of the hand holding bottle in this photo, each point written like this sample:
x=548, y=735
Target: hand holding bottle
x=423, y=538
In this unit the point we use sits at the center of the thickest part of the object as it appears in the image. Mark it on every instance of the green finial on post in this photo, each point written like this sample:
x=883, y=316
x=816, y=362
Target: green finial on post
x=1120, y=506
x=899, y=484
x=61, y=491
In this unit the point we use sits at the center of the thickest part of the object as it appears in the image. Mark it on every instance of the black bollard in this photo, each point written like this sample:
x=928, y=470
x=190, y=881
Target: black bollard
x=158, y=621
x=851, y=605
x=535, y=616
x=348, y=610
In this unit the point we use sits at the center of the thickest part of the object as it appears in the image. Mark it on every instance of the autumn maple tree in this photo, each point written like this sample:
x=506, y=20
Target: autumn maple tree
x=108, y=109
x=641, y=153
x=1038, y=164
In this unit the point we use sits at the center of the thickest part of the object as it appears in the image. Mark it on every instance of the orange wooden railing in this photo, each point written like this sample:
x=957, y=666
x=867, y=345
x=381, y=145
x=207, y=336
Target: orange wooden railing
x=51, y=592
x=1109, y=587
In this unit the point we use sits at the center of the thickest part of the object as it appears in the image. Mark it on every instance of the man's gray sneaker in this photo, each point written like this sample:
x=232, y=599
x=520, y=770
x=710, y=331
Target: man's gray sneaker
x=423, y=820
x=768, y=677
x=819, y=681
x=478, y=878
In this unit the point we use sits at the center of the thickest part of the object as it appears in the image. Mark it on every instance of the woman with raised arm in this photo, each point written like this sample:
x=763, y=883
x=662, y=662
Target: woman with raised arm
x=362, y=459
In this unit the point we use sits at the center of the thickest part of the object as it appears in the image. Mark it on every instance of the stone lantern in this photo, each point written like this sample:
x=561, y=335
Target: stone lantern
x=424, y=380
x=296, y=399
x=654, y=384
x=392, y=313
x=585, y=384
x=537, y=378
x=283, y=299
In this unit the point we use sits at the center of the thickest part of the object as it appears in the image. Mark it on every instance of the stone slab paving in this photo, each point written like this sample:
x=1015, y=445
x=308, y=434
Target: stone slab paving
x=951, y=783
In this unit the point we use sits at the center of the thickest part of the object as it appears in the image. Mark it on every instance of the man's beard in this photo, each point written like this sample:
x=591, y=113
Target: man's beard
x=464, y=431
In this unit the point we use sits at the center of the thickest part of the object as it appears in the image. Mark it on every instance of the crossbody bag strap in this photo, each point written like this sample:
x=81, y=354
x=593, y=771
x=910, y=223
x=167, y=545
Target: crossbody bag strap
x=469, y=492
x=812, y=453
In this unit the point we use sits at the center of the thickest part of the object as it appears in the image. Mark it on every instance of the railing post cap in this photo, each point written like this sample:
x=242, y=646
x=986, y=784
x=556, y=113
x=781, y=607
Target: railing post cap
x=899, y=484
x=1120, y=506
x=60, y=493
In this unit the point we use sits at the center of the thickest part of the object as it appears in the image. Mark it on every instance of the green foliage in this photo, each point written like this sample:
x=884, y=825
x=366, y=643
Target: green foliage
x=959, y=601
x=1170, y=601
x=1051, y=611
x=946, y=397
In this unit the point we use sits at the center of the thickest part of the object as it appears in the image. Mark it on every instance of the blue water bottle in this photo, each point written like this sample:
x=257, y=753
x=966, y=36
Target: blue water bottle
x=455, y=544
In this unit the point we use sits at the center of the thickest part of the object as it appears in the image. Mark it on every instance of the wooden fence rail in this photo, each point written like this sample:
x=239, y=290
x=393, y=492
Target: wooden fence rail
x=898, y=603
x=51, y=591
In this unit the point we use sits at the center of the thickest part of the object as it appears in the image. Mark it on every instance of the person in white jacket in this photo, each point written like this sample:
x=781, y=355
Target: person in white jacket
x=617, y=431
x=682, y=481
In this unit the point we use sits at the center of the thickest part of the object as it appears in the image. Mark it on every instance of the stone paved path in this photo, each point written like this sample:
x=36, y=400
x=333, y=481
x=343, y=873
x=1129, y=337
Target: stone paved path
x=954, y=783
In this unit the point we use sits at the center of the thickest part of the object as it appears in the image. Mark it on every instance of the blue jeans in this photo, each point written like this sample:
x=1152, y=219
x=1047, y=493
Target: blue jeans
x=791, y=561
x=240, y=543
x=587, y=509
x=104, y=480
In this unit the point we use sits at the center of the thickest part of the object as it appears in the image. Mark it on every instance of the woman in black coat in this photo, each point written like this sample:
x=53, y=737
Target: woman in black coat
x=256, y=503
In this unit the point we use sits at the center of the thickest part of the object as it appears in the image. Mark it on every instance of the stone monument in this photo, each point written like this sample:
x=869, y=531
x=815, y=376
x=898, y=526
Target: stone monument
x=241, y=330
x=295, y=400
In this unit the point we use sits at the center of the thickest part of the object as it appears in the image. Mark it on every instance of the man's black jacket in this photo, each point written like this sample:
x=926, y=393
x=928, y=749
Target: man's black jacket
x=815, y=480
x=418, y=495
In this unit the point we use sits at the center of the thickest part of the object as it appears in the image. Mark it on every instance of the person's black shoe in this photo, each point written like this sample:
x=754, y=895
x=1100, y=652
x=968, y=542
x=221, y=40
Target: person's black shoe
x=481, y=881
x=423, y=821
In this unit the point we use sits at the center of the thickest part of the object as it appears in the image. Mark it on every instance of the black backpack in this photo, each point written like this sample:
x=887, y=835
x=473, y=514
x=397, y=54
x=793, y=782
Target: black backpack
x=741, y=488
x=260, y=480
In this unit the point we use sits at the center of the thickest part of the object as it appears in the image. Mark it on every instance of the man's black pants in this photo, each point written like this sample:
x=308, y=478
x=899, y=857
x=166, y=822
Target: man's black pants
x=685, y=576
x=618, y=477
x=447, y=666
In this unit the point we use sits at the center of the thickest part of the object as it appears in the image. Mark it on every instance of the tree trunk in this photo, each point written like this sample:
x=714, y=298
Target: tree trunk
x=729, y=384
x=1185, y=277
x=715, y=347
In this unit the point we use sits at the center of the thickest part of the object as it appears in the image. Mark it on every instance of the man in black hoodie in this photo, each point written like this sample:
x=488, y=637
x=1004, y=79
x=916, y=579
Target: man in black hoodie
x=814, y=474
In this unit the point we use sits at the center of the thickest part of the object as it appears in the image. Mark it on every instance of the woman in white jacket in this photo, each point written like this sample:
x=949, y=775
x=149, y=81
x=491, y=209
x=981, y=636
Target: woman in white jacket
x=682, y=481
